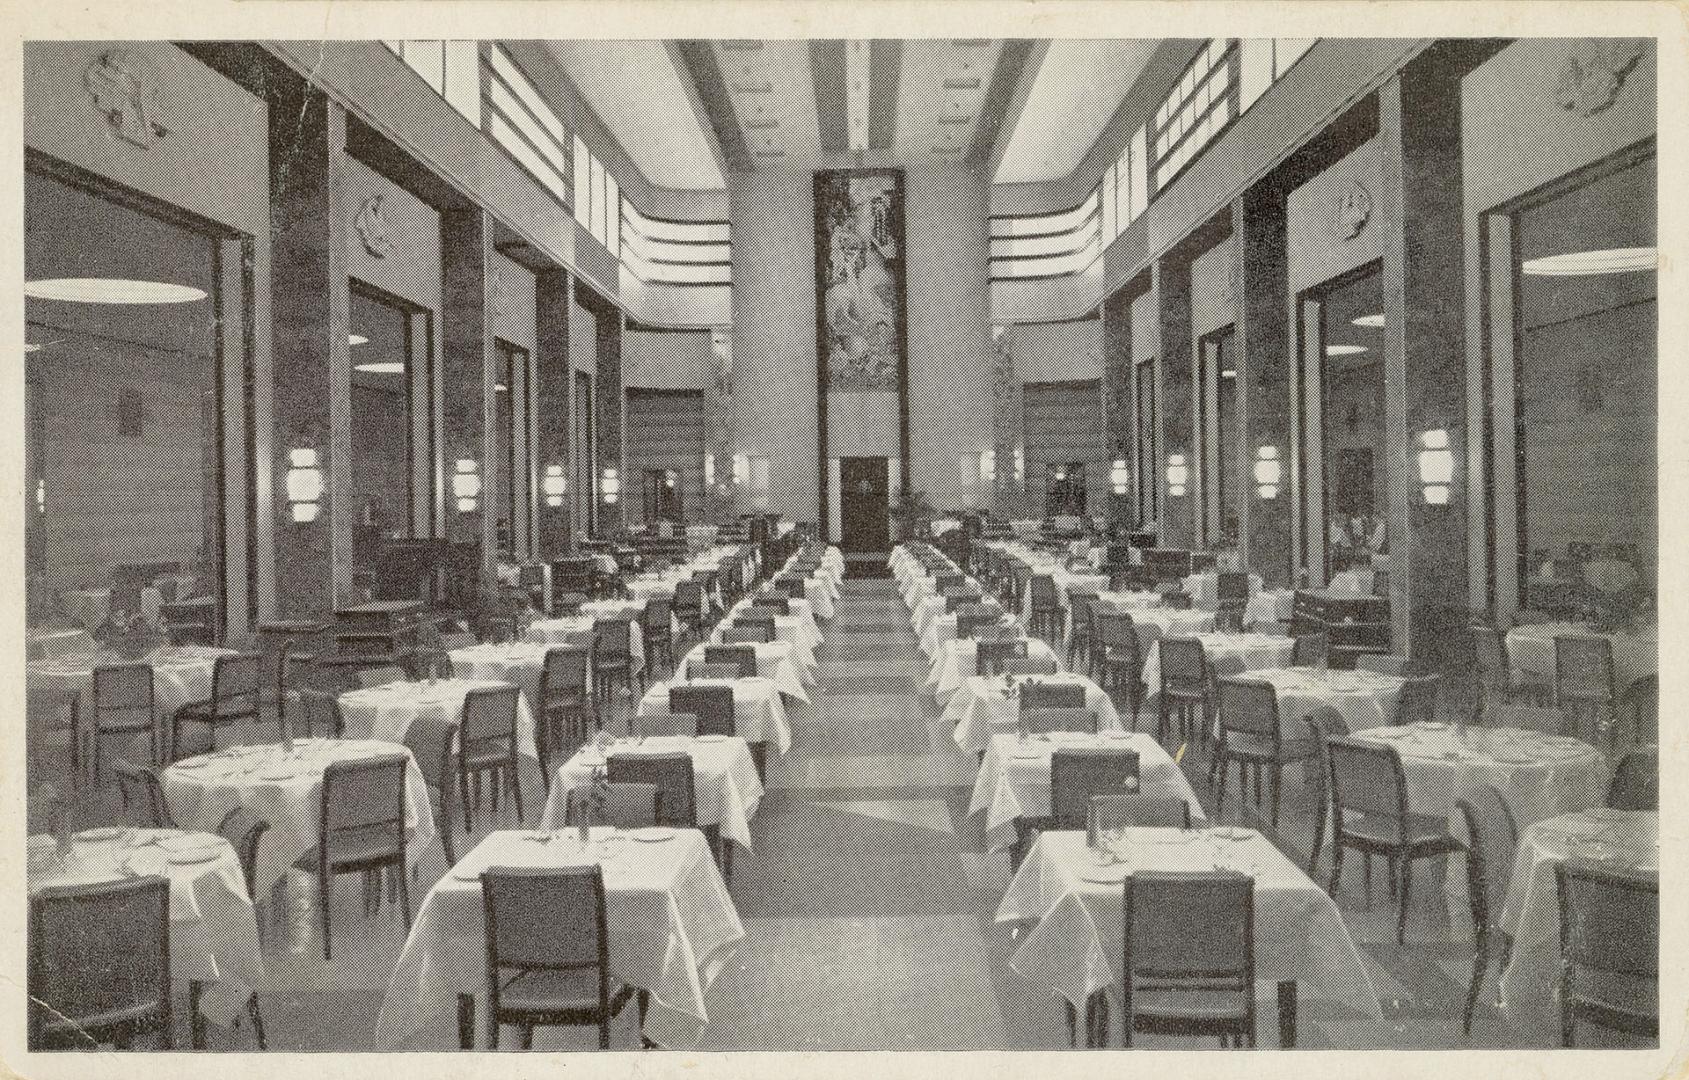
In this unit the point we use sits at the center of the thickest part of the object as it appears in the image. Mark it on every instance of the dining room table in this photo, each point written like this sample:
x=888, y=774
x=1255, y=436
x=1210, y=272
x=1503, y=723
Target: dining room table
x=774, y=663
x=1204, y=588
x=181, y=676
x=283, y=787
x=520, y=663
x=1228, y=653
x=759, y=713
x=385, y=713
x=987, y=705
x=1270, y=605
x=44, y=642
x=213, y=926
x=579, y=630
x=1072, y=896
x=1363, y=699
x=1625, y=841
x=799, y=616
x=1013, y=783
x=958, y=659
x=942, y=629
x=727, y=789
x=1636, y=653
x=669, y=920
x=928, y=608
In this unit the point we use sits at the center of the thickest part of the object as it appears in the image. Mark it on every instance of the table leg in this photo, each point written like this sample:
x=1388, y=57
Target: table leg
x=196, y=1019
x=466, y=1021
x=1287, y=1013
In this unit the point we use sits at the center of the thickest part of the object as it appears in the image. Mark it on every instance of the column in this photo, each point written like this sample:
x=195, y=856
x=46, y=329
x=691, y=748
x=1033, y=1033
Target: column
x=553, y=386
x=466, y=375
x=1117, y=398
x=1264, y=383
x=610, y=405
x=1172, y=284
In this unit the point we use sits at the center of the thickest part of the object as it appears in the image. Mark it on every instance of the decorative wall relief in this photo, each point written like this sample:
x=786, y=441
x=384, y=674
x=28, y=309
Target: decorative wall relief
x=125, y=89
x=859, y=277
x=720, y=430
x=1009, y=487
x=1590, y=83
x=1354, y=209
x=372, y=227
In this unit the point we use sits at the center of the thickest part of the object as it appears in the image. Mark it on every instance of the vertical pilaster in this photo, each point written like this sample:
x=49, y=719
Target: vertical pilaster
x=466, y=375
x=1264, y=380
x=612, y=450
x=553, y=386
x=1117, y=397
x=1172, y=275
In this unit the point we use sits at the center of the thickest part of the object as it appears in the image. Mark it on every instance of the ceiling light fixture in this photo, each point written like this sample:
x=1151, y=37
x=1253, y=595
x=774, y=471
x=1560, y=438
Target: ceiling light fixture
x=1344, y=350
x=111, y=291
x=381, y=367
x=1371, y=322
x=1229, y=373
x=856, y=93
x=356, y=339
x=500, y=388
x=1608, y=261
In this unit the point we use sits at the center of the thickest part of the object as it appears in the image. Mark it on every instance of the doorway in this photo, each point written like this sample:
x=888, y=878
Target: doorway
x=865, y=504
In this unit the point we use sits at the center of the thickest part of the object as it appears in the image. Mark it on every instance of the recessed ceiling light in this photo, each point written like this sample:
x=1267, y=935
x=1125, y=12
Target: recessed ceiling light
x=111, y=291
x=1371, y=322
x=381, y=367
x=1608, y=261
x=1344, y=350
x=356, y=339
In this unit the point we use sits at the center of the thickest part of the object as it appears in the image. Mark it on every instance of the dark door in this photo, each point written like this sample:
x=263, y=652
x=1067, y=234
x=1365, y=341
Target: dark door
x=864, y=504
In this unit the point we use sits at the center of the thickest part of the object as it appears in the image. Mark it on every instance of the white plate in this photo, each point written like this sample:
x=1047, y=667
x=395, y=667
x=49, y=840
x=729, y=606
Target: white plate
x=192, y=856
x=469, y=874
x=1105, y=875
x=654, y=834
x=593, y=761
x=278, y=776
x=1231, y=832
x=95, y=836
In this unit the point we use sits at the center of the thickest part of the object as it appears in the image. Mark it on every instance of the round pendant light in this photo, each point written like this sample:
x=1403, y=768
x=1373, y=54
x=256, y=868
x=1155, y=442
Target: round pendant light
x=1607, y=261
x=381, y=367
x=356, y=339
x=1344, y=350
x=111, y=291
x=1371, y=322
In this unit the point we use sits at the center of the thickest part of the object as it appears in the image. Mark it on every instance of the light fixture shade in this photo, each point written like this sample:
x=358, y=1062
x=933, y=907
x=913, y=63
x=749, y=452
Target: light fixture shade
x=555, y=483
x=1436, y=466
x=304, y=485
x=554, y=500
x=302, y=458
x=1345, y=350
x=1176, y=491
x=1435, y=439
x=1268, y=472
x=1267, y=491
x=611, y=486
x=1437, y=494
x=611, y=497
x=1609, y=261
x=466, y=506
x=111, y=291
x=466, y=486
x=306, y=512
x=381, y=367
x=1267, y=453
x=356, y=339
x=466, y=465
x=1178, y=475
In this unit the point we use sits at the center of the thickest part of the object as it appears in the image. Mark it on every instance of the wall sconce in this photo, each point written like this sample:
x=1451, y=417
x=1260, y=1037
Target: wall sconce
x=304, y=485
x=466, y=485
x=741, y=469
x=555, y=485
x=1269, y=472
x=1061, y=474
x=709, y=471
x=1020, y=465
x=1436, y=466
x=988, y=466
x=611, y=485
x=1178, y=475
x=41, y=495
x=1120, y=477
x=669, y=478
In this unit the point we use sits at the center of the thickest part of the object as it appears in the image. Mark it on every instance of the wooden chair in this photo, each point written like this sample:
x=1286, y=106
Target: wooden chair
x=1609, y=950
x=1077, y=774
x=1492, y=841
x=1231, y=590
x=747, y=635
x=1418, y=701
x=1368, y=780
x=1048, y=615
x=143, y=798
x=657, y=625
x=235, y=683
x=320, y=708
x=1311, y=650
x=1496, y=677
x=1119, y=653
x=1189, y=964
x=1584, y=689
x=548, y=951
x=744, y=657
x=361, y=829
x=673, y=775
x=488, y=743
x=1251, y=736
x=123, y=705
x=700, y=669
x=1636, y=781
x=1033, y=666
x=79, y=996
x=564, y=705
x=990, y=654
x=1187, y=689
x=430, y=739
x=612, y=656
x=1081, y=637
x=1037, y=694
x=243, y=830
x=1322, y=726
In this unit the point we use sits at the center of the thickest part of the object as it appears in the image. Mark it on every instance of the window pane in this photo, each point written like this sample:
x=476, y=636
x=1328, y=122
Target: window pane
x=583, y=182
x=429, y=60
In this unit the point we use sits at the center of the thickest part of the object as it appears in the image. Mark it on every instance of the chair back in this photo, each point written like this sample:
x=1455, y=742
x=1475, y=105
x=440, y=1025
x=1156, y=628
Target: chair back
x=1044, y=721
x=76, y=936
x=1113, y=627
x=1079, y=603
x=1548, y=721
x=1190, y=926
x=779, y=605
x=670, y=774
x=627, y=806
x=612, y=638
x=1136, y=809
x=563, y=676
x=1609, y=921
x=430, y=739
x=744, y=657
x=1367, y=778
x=989, y=655
x=235, y=681
x=243, y=830
x=544, y=919
x=955, y=601
x=1583, y=669
x=1248, y=707
x=1639, y=709
x=657, y=619
x=1636, y=781
x=1311, y=650
x=489, y=719
x=1492, y=842
x=712, y=705
x=970, y=623
x=688, y=599
x=1044, y=593
x=1028, y=665
x=125, y=689
x=1490, y=651
x=752, y=635
x=363, y=804
x=758, y=617
x=1184, y=664
x=321, y=708
x=1418, y=702
x=1036, y=694
x=1231, y=587
x=143, y=797
x=1078, y=773
x=655, y=725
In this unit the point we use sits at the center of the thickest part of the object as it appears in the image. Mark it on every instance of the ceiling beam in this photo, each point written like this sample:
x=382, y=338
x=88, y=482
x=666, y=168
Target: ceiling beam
x=827, y=70
x=700, y=112
x=698, y=64
x=885, y=72
x=1005, y=99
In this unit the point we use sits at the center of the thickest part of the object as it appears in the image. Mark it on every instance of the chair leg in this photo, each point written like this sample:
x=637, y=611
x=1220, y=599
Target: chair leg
x=1319, y=833
x=1480, y=967
x=404, y=893
x=1336, y=860
x=325, y=892
x=257, y=1021
x=196, y=1019
x=516, y=788
x=1221, y=768
x=1406, y=886
x=1276, y=783
x=1366, y=878
x=463, y=793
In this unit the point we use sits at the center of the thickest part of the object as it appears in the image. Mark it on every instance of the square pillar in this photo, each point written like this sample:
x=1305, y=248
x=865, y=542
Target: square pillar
x=1264, y=383
x=466, y=377
x=551, y=401
x=1176, y=395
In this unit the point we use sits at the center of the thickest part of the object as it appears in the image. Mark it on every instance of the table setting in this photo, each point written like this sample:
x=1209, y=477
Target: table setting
x=1364, y=699
x=759, y=713
x=669, y=920
x=958, y=660
x=727, y=788
x=1228, y=653
x=987, y=705
x=774, y=663
x=385, y=713
x=1636, y=653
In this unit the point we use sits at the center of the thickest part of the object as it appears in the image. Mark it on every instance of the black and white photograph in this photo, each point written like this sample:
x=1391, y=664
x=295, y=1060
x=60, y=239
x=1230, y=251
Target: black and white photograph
x=562, y=540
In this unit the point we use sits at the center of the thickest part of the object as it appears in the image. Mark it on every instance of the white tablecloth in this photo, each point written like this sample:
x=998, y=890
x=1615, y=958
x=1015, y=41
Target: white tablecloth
x=386, y=713
x=1270, y=605
x=1228, y=654
x=930, y=608
x=723, y=772
x=959, y=659
x=1352, y=582
x=668, y=914
x=979, y=708
x=1532, y=913
x=774, y=663
x=180, y=675
x=201, y=791
x=801, y=620
x=1075, y=948
x=1014, y=778
x=213, y=931
x=758, y=710
x=1204, y=588
x=50, y=643
x=518, y=663
x=787, y=629
x=1173, y=622
x=1364, y=699
x=1530, y=649
x=578, y=630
